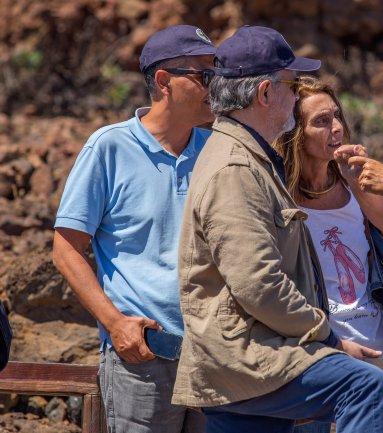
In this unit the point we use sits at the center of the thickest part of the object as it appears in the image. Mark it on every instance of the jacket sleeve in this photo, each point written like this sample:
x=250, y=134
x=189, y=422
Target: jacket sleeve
x=237, y=220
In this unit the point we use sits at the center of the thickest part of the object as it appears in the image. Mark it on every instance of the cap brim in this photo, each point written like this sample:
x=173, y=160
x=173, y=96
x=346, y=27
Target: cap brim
x=303, y=64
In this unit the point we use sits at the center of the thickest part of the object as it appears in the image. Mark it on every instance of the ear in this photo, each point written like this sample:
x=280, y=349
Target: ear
x=162, y=80
x=263, y=96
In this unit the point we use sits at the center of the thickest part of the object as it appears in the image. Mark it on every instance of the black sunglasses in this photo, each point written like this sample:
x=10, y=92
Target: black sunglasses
x=206, y=74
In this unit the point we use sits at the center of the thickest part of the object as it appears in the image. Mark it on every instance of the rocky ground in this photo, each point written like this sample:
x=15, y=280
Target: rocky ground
x=26, y=423
x=48, y=322
x=70, y=67
x=35, y=156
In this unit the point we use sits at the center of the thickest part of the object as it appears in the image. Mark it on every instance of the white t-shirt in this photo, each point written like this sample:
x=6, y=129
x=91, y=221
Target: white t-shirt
x=342, y=248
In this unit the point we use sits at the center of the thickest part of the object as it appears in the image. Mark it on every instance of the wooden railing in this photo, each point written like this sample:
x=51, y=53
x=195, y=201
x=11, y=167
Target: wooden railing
x=61, y=380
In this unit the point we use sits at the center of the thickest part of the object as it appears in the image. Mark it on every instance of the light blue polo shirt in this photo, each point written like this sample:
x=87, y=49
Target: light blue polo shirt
x=128, y=193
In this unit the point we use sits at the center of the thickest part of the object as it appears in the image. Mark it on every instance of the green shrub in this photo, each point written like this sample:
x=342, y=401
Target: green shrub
x=30, y=60
x=118, y=93
x=110, y=71
x=364, y=115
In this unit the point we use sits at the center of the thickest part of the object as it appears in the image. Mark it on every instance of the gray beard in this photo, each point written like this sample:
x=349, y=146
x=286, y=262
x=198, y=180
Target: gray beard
x=288, y=125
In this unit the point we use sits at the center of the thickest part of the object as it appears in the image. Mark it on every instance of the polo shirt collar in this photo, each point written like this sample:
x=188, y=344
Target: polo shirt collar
x=146, y=138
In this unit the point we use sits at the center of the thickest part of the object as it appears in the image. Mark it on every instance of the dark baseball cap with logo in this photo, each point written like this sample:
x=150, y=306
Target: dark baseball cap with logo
x=175, y=41
x=255, y=50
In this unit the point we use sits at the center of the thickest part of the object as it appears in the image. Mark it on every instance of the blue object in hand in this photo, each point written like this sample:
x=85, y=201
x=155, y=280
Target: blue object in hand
x=163, y=344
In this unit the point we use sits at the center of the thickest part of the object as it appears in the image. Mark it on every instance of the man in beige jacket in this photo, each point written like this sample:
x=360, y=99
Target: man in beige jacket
x=258, y=351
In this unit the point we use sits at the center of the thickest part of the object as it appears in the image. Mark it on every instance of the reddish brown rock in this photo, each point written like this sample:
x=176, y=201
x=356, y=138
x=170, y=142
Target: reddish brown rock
x=53, y=341
x=8, y=402
x=41, y=182
x=56, y=410
x=27, y=423
x=37, y=405
x=35, y=290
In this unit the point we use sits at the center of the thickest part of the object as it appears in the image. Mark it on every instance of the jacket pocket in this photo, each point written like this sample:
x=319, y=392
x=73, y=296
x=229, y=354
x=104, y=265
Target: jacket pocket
x=232, y=319
x=238, y=329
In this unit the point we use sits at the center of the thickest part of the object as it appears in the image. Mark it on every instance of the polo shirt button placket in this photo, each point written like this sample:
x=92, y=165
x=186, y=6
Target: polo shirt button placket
x=179, y=182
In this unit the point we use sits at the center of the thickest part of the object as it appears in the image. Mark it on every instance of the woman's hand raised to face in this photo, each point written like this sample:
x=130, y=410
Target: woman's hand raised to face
x=371, y=174
x=342, y=156
x=355, y=165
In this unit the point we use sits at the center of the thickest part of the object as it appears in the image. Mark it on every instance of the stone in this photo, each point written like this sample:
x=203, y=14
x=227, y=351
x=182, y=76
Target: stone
x=16, y=422
x=15, y=225
x=36, y=290
x=56, y=410
x=4, y=122
x=53, y=341
x=132, y=9
x=37, y=405
x=7, y=153
x=74, y=409
x=8, y=402
x=41, y=182
x=6, y=189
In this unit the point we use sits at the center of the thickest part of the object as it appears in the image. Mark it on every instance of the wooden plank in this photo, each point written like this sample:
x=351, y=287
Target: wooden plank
x=46, y=388
x=50, y=371
x=59, y=379
x=92, y=415
x=86, y=414
x=49, y=378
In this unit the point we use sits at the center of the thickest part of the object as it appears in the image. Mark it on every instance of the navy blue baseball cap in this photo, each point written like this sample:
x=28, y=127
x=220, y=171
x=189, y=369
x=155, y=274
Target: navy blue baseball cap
x=175, y=41
x=255, y=50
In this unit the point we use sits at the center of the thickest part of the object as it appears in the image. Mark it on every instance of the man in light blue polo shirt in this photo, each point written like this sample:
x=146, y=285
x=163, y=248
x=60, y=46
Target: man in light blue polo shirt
x=125, y=195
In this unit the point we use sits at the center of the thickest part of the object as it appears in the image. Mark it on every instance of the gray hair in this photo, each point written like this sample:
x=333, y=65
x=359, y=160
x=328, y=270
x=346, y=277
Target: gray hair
x=230, y=94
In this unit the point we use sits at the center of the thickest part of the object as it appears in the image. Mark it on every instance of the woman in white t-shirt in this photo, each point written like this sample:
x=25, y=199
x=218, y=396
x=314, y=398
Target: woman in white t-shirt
x=329, y=192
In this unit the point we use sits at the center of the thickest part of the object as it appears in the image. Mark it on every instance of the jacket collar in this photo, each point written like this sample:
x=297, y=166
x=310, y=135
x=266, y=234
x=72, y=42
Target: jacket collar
x=237, y=131
x=233, y=128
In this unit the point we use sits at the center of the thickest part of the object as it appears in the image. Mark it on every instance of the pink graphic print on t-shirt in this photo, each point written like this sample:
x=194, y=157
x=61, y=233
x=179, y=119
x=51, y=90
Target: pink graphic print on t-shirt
x=346, y=263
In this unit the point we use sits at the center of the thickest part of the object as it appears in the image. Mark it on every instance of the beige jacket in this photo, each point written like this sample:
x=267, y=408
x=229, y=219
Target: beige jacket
x=247, y=286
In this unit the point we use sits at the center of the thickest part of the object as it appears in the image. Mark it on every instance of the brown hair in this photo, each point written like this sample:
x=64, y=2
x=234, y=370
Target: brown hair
x=290, y=144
